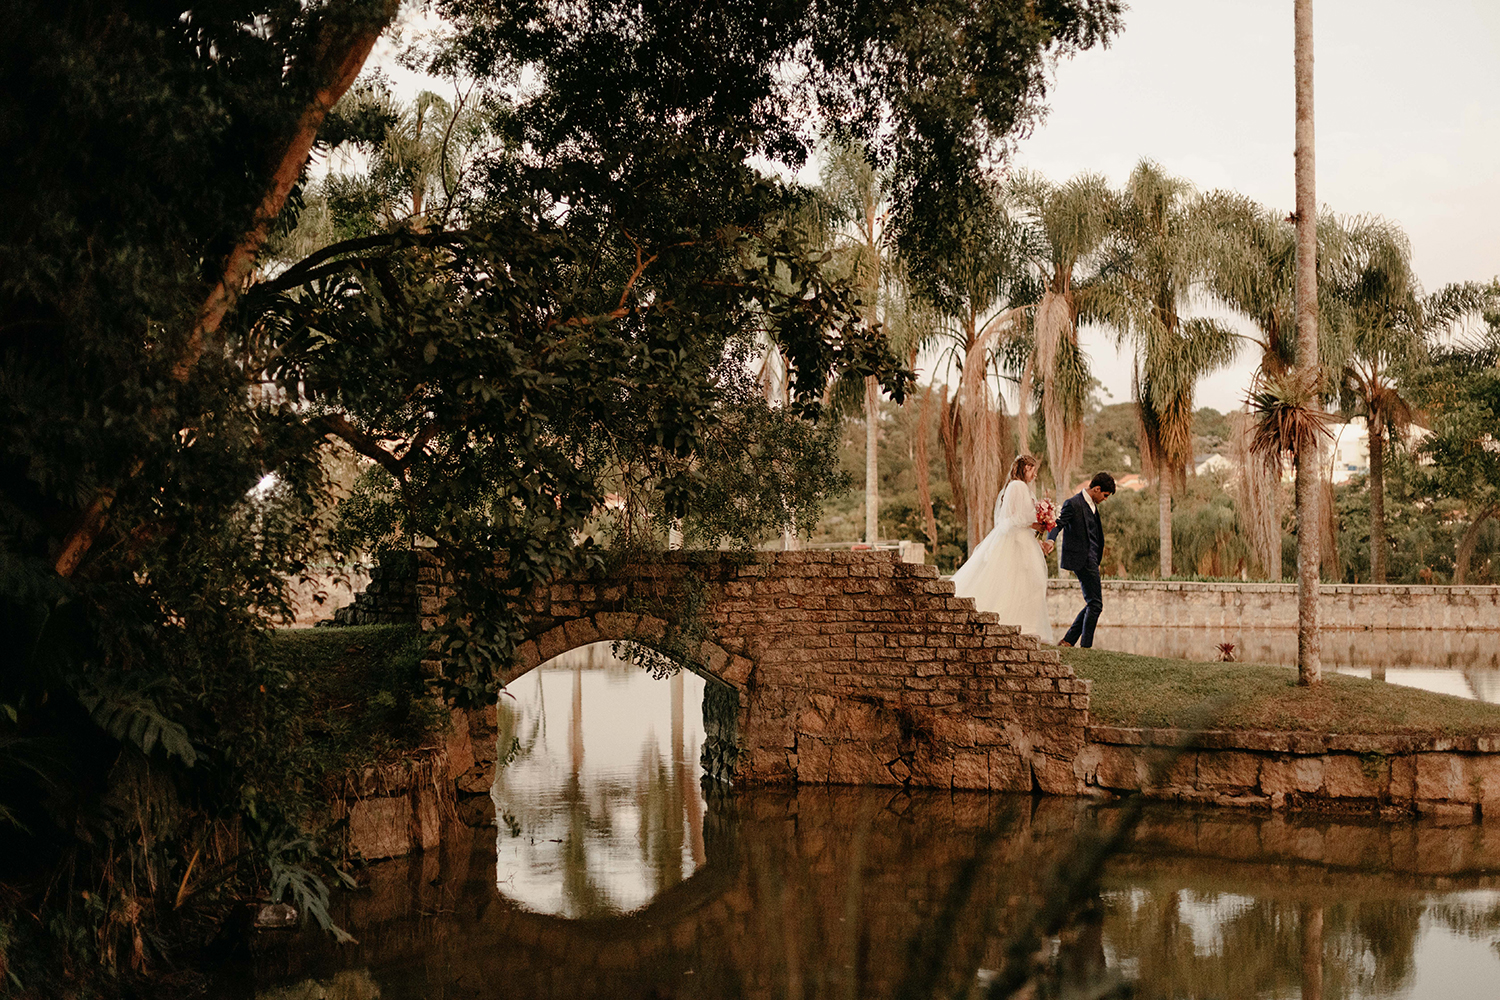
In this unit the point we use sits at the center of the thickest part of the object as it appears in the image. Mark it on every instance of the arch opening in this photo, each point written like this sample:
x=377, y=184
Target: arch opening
x=597, y=792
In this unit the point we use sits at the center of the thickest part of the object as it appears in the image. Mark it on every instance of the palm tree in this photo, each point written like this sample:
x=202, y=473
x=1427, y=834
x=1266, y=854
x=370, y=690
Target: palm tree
x=859, y=195
x=1251, y=267
x=1145, y=285
x=1309, y=663
x=1072, y=221
x=1380, y=319
x=982, y=288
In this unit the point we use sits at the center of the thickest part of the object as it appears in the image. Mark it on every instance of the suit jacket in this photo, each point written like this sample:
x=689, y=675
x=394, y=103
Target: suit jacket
x=1083, y=534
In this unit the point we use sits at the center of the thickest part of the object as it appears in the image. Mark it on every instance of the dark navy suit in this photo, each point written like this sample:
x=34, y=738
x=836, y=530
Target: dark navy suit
x=1083, y=545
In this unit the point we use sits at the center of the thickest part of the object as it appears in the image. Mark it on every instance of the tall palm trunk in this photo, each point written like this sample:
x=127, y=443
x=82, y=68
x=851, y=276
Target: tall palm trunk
x=1309, y=664
x=1377, y=502
x=1164, y=523
x=872, y=459
x=984, y=439
x=920, y=462
x=950, y=430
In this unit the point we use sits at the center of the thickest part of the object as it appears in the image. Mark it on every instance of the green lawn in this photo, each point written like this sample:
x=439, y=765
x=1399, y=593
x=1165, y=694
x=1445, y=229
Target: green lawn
x=1147, y=691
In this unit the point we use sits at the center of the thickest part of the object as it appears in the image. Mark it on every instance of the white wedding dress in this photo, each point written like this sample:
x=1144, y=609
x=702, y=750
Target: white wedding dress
x=1006, y=573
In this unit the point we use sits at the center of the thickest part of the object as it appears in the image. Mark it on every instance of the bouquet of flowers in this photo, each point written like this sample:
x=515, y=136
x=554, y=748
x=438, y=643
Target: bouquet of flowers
x=1046, y=513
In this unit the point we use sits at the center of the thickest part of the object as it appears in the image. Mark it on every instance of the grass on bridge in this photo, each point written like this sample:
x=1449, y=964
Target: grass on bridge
x=1151, y=692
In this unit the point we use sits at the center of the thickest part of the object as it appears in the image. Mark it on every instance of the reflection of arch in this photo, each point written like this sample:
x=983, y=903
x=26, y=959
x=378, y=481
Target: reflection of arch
x=841, y=882
x=560, y=802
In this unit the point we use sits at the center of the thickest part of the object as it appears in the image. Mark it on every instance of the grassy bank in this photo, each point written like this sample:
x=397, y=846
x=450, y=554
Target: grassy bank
x=1148, y=691
x=352, y=697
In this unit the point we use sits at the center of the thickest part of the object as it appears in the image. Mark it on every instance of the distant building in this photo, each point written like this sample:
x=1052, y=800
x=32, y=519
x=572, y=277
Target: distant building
x=1205, y=464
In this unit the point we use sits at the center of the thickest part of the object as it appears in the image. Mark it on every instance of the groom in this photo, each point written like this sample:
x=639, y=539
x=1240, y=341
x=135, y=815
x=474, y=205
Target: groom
x=1083, y=544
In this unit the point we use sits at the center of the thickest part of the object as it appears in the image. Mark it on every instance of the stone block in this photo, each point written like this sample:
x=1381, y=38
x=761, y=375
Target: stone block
x=1291, y=775
x=1009, y=772
x=1403, y=787
x=427, y=828
x=458, y=747
x=971, y=770
x=931, y=767
x=1347, y=776
x=380, y=827
x=1054, y=775
x=1227, y=771
x=954, y=729
x=1484, y=778
x=477, y=779
x=852, y=763
x=1442, y=777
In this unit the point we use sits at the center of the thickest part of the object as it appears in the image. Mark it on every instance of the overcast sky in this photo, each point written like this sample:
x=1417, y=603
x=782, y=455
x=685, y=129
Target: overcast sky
x=1408, y=123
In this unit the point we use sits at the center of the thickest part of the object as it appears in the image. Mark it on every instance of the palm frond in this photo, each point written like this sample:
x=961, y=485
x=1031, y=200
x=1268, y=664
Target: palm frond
x=1288, y=418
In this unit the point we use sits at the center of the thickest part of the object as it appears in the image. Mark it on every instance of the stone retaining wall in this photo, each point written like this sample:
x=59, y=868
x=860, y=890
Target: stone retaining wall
x=402, y=807
x=1169, y=604
x=1454, y=778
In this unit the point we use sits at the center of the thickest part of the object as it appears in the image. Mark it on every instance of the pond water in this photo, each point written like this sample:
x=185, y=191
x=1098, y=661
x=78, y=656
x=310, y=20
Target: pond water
x=611, y=873
x=1466, y=664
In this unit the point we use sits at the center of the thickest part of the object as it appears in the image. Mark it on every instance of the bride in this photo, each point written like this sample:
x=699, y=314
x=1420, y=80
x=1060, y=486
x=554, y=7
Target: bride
x=1006, y=573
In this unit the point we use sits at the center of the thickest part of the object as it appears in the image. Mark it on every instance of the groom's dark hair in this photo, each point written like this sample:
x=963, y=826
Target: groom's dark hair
x=1103, y=481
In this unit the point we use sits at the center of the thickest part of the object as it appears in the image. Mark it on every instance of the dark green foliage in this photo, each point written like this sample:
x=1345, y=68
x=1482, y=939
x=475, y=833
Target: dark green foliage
x=575, y=318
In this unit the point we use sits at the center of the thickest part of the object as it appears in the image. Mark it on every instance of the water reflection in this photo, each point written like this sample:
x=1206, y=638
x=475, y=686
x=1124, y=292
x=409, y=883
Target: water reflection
x=598, y=813
x=847, y=892
x=1466, y=664
x=613, y=877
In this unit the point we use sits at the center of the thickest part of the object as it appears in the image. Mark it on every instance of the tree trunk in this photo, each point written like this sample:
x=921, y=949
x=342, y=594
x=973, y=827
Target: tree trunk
x=1377, y=504
x=921, y=462
x=1023, y=413
x=1464, y=553
x=343, y=44
x=872, y=460
x=950, y=429
x=1309, y=662
x=1164, y=521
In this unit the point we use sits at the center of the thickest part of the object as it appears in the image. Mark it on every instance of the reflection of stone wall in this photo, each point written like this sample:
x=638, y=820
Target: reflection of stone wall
x=847, y=667
x=1457, y=778
x=840, y=892
x=1274, y=605
x=811, y=892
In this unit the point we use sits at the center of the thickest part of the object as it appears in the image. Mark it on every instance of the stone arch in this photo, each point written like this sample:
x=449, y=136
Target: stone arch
x=722, y=698
x=834, y=667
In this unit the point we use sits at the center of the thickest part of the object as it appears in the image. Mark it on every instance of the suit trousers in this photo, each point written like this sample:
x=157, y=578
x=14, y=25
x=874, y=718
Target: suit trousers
x=1081, y=632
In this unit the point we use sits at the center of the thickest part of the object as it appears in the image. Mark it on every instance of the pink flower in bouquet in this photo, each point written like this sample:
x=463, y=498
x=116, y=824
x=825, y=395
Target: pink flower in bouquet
x=1046, y=512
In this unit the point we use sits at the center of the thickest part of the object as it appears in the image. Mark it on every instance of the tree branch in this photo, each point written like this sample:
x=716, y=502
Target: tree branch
x=367, y=445
x=343, y=45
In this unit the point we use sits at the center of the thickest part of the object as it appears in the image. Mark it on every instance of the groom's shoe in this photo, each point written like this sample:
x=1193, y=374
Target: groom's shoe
x=1066, y=643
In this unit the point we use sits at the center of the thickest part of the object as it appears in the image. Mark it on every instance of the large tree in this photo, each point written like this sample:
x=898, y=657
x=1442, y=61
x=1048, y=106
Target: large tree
x=1379, y=316
x=984, y=289
x=587, y=311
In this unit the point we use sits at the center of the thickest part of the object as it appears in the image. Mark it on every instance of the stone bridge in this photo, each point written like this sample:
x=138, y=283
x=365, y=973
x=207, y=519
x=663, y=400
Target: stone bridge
x=825, y=667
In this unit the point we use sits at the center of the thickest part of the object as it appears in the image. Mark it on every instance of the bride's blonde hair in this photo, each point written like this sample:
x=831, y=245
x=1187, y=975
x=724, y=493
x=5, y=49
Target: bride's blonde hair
x=1022, y=463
